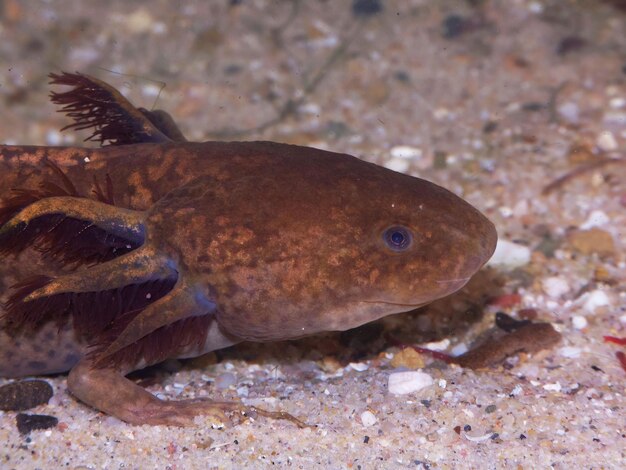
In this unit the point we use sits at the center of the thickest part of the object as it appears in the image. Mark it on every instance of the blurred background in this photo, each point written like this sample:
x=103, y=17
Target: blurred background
x=493, y=99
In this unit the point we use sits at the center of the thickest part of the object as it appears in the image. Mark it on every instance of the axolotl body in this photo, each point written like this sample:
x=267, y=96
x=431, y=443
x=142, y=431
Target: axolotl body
x=152, y=248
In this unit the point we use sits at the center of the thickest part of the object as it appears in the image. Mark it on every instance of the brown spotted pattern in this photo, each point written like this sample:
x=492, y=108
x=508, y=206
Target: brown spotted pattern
x=286, y=241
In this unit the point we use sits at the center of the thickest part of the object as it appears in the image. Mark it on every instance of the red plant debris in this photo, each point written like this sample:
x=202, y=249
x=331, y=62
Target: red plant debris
x=620, y=355
x=615, y=339
x=506, y=300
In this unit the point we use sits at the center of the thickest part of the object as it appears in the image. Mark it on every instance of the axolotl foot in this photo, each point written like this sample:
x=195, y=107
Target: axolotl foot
x=109, y=391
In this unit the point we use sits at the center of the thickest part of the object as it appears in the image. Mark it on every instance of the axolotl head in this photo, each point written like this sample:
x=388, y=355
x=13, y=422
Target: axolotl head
x=317, y=241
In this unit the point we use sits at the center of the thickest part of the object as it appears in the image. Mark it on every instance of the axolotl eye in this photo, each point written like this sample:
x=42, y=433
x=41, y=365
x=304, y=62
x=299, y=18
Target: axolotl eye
x=397, y=238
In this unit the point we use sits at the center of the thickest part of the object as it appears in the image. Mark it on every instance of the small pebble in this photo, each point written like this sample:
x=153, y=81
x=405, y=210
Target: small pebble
x=409, y=358
x=454, y=26
x=555, y=286
x=366, y=7
x=438, y=345
x=458, y=349
x=482, y=438
x=555, y=387
x=596, y=219
x=590, y=241
x=358, y=366
x=579, y=322
x=139, y=21
x=570, y=352
x=27, y=423
x=569, y=111
x=225, y=380
x=618, y=102
x=406, y=152
x=606, y=141
x=402, y=383
x=509, y=255
x=595, y=299
x=368, y=418
x=24, y=395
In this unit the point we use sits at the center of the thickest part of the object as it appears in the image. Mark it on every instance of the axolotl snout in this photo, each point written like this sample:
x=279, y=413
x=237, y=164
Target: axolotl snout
x=186, y=248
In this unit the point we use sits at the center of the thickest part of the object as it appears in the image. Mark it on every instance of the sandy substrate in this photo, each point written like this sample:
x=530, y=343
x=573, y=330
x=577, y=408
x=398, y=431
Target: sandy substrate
x=491, y=99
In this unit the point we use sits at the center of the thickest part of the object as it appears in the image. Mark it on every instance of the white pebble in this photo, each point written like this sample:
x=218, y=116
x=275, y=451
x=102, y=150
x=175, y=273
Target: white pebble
x=406, y=152
x=140, y=21
x=555, y=286
x=310, y=108
x=438, y=345
x=368, y=418
x=505, y=211
x=401, y=383
x=440, y=114
x=606, y=141
x=569, y=111
x=570, y=351
x=358, y=366
x=595, y=219
x=555, y=387
x=509, y=255
x=517, y=390
x=521, y=208
x=159, y=28
x=458, y=349
x=595, y=299
x=622, y=319
x=482, y=438
x=618, y=102
x=579, y=322
x=400, y=165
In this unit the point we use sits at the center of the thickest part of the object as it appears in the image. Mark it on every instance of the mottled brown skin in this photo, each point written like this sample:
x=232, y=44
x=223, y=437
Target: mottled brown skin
x=265, y=242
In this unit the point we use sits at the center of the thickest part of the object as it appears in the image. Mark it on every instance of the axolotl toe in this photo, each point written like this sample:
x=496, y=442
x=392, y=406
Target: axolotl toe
x=184, y=248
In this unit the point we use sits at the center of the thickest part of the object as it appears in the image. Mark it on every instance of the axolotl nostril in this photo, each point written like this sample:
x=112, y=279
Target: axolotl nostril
x=155, y=247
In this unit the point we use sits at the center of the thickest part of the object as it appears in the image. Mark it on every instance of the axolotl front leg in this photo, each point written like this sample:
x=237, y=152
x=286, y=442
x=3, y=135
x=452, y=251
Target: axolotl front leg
x=134, y=310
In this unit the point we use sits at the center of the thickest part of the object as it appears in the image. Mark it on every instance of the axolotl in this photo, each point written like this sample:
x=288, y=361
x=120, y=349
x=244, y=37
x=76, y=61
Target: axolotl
x=153, y=247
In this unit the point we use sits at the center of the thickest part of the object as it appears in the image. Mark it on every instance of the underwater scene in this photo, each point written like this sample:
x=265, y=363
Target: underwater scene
x=354, y=234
